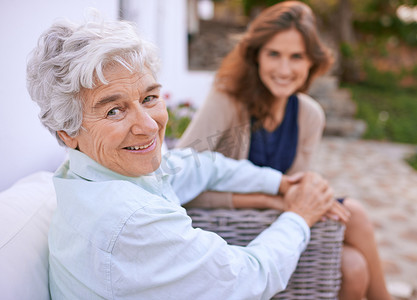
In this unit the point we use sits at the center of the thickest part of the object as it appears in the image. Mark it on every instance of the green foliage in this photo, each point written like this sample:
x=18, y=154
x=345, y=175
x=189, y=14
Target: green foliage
x=380, y=80
x=388, y=26
x=379, y=18
x=413, y=72
x=412, y=160
x=388, y=109
x=248, y=5
x=346, y=50
x=179, y=116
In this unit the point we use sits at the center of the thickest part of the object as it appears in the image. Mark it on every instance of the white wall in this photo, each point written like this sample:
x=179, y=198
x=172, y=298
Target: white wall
x=26, y=146
x=164, y=22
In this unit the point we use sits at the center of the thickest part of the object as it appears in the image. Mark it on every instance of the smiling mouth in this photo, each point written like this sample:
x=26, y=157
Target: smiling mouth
x=281, y=81
x=140, y=147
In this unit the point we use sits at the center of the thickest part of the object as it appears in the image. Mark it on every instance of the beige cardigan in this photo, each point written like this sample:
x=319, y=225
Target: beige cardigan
x=223, y=125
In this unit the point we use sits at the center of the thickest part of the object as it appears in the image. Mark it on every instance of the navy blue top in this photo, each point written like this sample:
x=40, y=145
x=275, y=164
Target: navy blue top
x=277, y=149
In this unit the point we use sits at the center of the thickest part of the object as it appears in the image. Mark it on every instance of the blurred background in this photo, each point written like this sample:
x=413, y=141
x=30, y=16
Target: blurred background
x=375, y=45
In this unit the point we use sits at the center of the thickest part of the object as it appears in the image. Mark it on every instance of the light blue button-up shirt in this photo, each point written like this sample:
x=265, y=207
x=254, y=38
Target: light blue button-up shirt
x=118, y=237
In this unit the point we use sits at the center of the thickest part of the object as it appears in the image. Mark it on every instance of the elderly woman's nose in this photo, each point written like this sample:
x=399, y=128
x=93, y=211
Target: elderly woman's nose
x=144, y=123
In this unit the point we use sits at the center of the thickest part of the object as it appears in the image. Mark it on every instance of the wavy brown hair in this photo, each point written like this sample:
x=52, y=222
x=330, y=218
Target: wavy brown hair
x=238, y=74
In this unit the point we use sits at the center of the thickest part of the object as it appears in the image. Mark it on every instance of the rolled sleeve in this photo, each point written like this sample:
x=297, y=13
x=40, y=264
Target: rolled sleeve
x=198, y=172
x=271, y=180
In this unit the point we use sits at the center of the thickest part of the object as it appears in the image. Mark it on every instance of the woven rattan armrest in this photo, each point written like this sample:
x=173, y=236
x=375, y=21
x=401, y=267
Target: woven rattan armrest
x=317, y=275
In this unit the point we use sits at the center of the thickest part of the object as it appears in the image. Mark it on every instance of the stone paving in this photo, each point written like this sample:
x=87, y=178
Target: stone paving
x=376, y=173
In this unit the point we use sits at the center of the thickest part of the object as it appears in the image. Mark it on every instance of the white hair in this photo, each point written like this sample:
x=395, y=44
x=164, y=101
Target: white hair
x=70, y=57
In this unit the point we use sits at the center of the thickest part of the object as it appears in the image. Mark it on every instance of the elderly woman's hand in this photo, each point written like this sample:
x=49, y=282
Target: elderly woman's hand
x=311, y=198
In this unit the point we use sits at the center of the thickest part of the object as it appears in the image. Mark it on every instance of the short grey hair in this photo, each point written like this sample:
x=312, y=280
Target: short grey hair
x=70, y=57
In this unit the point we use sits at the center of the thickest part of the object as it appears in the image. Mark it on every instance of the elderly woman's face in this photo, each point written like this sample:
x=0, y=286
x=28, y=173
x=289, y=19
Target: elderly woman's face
x=124, y=123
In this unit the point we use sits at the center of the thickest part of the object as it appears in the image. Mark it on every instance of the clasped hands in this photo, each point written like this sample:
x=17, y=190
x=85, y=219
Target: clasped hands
x=310, y=196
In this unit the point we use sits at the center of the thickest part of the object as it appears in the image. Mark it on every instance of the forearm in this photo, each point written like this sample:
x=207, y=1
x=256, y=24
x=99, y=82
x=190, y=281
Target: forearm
x=259, y=201
x=211, y=199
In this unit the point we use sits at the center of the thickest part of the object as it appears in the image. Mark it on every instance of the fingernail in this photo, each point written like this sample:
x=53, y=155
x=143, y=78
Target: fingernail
x=335, y=217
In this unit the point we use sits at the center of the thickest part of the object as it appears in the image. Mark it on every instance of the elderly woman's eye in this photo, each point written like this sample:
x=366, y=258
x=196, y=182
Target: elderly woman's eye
x=149, y=98
x=114, y=112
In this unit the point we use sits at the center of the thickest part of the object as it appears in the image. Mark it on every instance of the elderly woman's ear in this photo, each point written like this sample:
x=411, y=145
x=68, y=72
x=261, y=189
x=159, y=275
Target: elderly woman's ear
x=69, y=141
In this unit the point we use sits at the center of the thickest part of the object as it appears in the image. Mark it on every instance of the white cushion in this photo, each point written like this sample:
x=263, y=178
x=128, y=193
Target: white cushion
x=26, y=209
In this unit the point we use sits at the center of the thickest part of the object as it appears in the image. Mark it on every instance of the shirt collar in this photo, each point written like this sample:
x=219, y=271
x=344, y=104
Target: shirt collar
x=87, y=168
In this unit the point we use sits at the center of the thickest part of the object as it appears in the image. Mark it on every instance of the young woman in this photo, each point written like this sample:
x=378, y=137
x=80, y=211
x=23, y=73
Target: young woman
x=257, y=110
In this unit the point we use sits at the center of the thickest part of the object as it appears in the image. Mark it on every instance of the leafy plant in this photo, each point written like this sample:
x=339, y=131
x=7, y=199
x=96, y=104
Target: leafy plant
x=412, y=160
x=180, y=115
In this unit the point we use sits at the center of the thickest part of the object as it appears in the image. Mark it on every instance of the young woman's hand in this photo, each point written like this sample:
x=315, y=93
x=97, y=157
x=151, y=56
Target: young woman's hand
x=338, y=212
x=288, y=180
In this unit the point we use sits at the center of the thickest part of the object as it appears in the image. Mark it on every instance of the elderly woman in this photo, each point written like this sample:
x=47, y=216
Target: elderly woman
x=119, y=231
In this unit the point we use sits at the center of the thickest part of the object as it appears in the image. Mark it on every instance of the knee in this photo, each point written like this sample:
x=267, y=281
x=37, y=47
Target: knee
x=355, y=274
x=359, y=217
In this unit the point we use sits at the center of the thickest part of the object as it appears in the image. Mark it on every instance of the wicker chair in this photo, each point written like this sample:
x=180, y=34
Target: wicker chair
x=317, y=275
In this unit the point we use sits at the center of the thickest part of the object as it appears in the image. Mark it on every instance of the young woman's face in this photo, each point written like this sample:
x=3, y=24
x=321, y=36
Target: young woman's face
x=283, y=63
